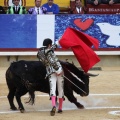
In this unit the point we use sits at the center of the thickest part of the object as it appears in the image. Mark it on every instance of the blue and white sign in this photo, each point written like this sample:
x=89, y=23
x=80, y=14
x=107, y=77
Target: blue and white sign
x=106, y=28
x=29, y=31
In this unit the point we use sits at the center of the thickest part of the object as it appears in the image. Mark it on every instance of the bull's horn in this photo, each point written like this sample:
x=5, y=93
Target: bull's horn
x=90, y=74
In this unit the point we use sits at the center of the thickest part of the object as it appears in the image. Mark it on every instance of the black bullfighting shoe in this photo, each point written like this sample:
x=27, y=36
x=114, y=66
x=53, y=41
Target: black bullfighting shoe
x=60, y=111
x=52, y=112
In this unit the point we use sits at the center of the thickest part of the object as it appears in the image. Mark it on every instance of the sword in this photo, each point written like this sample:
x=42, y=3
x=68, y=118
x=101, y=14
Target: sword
x=74, y=84
x=76, y=77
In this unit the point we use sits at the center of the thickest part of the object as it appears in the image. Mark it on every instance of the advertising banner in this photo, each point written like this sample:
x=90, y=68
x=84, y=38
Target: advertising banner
x=106, y=28
x=29, y=31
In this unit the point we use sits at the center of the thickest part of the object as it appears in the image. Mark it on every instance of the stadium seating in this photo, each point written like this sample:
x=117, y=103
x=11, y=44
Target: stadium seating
x=66, y=4
x=100, y=9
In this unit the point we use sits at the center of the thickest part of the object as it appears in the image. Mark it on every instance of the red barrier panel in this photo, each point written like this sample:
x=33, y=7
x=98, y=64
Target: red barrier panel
x=103, y=9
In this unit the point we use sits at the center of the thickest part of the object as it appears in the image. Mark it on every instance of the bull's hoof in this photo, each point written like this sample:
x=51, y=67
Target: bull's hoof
x=13, y=108
x=22, y=110
x=81, y=106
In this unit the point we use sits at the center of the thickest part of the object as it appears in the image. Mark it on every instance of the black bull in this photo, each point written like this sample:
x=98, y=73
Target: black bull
x=29, y=76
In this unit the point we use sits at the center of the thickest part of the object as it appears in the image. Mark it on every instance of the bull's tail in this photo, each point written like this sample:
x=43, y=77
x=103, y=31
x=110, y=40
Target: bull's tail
x=31, y=91
x=31, y=99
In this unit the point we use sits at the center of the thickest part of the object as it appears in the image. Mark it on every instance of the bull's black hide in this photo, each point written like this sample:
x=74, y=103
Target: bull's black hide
x=29, y=76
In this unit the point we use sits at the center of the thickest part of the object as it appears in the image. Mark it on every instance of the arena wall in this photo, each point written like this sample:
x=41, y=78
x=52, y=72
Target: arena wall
x=106, y=60
x=28, y=40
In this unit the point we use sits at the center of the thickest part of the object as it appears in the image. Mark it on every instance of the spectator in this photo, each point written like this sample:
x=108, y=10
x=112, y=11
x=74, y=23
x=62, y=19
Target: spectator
x=16, y=8
x=78, y=9
x=51, y=7
x=37, y=9
x=94, y=2
x=110, y=2
x=2, y=11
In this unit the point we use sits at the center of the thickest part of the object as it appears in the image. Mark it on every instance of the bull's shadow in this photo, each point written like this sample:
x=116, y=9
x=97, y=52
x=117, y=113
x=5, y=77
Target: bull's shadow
x=30, y=76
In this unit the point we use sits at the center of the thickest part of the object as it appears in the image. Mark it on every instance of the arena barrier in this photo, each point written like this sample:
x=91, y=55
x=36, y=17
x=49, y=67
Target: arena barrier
x=23, y=34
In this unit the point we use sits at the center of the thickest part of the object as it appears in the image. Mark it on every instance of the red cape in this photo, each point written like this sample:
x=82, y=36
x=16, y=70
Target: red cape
x=81, y=44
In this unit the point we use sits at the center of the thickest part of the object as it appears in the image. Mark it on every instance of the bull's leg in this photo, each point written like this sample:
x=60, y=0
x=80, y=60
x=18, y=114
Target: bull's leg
x=10, y=97
x=18, y=95
x=21, y=108
x=72, y=99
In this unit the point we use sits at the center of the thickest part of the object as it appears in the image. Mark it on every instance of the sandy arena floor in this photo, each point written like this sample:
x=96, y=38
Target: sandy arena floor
x=103, y=103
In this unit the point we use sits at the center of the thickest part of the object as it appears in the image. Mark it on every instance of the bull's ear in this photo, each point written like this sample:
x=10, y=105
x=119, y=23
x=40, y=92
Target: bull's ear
x=92, y=75
x=67, y=61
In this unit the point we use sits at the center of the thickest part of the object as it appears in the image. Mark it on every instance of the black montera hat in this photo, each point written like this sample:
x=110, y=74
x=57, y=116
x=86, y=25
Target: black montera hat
x=47, y=41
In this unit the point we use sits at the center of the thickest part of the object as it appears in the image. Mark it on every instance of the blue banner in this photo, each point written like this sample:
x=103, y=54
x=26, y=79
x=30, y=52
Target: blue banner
x=18, y=31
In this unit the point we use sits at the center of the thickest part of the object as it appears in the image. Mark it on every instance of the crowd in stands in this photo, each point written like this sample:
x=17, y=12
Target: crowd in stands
x=2, y=11
x=97, y=2
x=78, y=8
x=51, y=8
x=48, y=8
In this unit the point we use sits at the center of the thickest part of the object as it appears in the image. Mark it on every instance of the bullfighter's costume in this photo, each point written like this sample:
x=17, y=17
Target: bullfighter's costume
x=54, y=72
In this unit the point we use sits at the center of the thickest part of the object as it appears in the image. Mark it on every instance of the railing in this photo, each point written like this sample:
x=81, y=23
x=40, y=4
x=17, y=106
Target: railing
x=60, y=53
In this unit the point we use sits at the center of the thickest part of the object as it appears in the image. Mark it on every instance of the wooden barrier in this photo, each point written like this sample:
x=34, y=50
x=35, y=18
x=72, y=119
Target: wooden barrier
x=60, y=53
